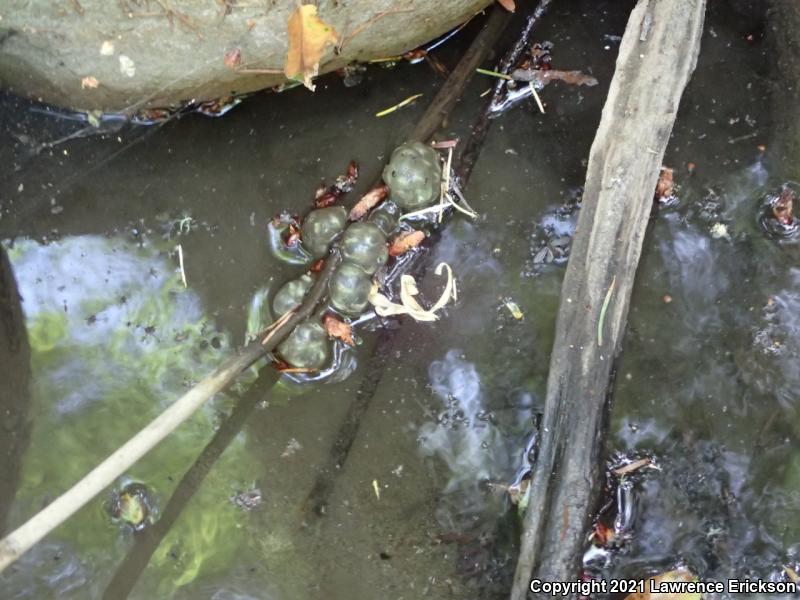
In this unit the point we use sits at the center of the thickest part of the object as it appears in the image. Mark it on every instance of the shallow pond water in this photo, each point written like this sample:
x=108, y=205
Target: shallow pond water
x=706, y=383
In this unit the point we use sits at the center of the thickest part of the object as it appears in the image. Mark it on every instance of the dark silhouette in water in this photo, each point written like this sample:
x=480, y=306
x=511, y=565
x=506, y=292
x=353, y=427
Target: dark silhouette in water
x=15, y=355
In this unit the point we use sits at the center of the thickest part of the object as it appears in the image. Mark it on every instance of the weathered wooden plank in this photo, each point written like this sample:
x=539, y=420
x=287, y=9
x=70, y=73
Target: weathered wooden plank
x=657, y=56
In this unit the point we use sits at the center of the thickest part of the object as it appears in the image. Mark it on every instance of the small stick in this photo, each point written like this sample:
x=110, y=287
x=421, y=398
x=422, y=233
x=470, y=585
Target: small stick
x=631, y=467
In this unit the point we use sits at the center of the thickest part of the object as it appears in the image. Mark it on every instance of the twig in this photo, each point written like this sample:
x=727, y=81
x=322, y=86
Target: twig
x=471, y=150
x=631, y=467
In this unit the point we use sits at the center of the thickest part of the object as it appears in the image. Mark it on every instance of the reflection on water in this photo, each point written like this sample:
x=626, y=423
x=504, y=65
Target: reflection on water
x=114, y=338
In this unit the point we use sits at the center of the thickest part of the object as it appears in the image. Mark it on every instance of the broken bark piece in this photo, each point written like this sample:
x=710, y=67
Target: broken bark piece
x=544, y=76
x=405, y=242
x=369, y=201
x=623, y=169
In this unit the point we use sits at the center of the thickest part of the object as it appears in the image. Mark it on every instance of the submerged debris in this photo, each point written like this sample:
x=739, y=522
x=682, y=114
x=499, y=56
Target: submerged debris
x=132, y=506
x=247, y=500
x=777, y=214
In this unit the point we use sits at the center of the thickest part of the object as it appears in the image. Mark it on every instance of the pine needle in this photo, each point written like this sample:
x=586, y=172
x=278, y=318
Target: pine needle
x=493, y=73
x=536, y=97
x=391, y=109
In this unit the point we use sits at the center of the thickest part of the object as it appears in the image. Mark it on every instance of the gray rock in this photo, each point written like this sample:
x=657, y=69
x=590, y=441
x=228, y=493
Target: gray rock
x=144, y=56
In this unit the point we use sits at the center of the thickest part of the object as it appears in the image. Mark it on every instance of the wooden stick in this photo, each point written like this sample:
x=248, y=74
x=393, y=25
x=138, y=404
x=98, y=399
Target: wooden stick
x=454, y=86
x=469, y=155
x=24, y=537
x=657, y=56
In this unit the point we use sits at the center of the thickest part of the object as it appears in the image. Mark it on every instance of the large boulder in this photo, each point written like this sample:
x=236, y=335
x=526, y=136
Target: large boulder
x=147, y=53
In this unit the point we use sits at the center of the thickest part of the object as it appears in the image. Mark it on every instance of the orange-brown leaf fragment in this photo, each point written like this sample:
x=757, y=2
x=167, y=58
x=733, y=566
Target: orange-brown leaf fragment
x=783, y=207
x=509, y=5
x=405, y=242
x=309, y=36
x=338, y=329
x=369, y=201
x=665, y=188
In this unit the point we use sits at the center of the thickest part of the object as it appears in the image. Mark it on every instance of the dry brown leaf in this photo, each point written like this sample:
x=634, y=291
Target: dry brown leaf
x=338, y=329
x=665, y=186
x=783, y=207
x=405, y=242
x=509, y=5
x=308, y=37
x=89, y=82
x=369, y=201
x=233, y=58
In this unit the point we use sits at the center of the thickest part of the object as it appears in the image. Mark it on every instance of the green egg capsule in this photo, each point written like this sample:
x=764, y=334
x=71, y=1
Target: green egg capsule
x=307, y=347
x=349, y=289
x=291, y=294
x=364, y=244
x=386, y=217
x=414, y=175
x=320, y=227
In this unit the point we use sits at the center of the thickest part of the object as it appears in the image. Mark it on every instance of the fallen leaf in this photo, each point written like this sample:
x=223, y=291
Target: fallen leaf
x=369, y=201
x=665, y=188
x=545, y=76
x=509, y=5
x=251, y=23
x=338, y=329
x=89, y=82
x=233, y=58
x=602, y=534
x=308, y=37
x=405, y=242
x=326, y=199
x=661, y=582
